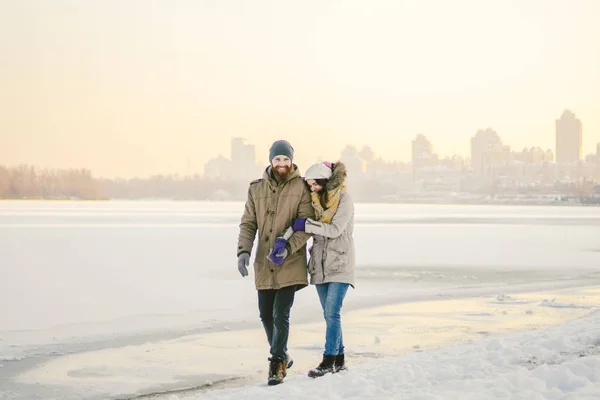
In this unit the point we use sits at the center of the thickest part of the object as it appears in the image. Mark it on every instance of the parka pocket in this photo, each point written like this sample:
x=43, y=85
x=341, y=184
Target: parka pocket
x=337, y=257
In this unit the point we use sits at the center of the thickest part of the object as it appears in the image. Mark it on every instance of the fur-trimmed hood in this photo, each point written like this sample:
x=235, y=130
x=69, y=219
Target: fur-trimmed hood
x=338, y=176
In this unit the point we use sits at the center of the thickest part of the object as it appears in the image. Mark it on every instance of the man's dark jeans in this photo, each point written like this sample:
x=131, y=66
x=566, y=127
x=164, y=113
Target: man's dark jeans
x=274, y=307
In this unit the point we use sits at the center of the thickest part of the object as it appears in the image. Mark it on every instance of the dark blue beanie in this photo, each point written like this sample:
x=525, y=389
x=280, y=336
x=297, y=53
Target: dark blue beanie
x=281, y=147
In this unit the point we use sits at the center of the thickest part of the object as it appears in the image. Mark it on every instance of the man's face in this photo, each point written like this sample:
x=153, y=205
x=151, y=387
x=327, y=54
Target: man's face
x=282, y=166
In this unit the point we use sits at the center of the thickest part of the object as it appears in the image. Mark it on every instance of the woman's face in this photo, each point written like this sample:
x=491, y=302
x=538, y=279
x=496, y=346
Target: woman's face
x=313, y=185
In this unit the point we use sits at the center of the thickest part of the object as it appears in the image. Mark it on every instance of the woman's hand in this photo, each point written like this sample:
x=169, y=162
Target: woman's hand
x=299, y=224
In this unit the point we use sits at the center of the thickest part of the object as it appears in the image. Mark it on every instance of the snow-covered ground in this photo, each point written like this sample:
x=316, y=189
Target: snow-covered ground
x=560, y=362
x=79, y=278
x=212, y=361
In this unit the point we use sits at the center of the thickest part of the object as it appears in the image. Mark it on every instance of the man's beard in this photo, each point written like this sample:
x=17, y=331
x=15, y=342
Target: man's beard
x=282, y=172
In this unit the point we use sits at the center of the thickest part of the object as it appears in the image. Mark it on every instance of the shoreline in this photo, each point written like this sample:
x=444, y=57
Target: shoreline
x=59, y=347
x=238, y=357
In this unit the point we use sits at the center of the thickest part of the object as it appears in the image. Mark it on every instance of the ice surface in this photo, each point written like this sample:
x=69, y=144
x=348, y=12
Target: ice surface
x=84, y=276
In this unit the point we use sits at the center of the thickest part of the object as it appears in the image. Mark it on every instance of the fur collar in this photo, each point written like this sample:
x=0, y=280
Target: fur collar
x=338, y=177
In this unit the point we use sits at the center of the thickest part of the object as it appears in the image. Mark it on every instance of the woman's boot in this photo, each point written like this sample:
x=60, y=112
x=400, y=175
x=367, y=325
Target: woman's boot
x=325, y=367
x=340, y=363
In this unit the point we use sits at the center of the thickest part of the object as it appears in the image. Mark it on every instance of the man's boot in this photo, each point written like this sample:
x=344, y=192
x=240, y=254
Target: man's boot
x=339, y=364
x=325, y=367
x=288, y=360
x=277, y=371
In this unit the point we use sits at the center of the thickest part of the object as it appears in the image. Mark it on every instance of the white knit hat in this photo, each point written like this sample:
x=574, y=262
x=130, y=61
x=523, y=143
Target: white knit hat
x=318, y=171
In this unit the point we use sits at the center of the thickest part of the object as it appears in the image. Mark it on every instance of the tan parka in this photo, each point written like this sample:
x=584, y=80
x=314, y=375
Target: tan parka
x=270, y=209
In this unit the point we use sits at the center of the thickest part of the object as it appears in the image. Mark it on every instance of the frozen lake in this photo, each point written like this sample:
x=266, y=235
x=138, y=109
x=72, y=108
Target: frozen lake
x=80, y=276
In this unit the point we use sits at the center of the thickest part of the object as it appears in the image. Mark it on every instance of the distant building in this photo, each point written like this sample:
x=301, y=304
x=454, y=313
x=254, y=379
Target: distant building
x=367, y=154
x=454, y=162
x=348, y=152
x=487, y=150
x=533, y=155
x=218, y=168
x=568, y=138
x=242, y=165
x=422, y=153
x=243, y=156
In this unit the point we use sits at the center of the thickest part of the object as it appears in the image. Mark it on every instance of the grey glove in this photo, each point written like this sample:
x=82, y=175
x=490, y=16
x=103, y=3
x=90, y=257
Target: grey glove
x=243, y=261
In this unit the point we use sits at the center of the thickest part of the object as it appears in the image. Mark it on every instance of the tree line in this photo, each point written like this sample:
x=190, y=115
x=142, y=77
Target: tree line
x=29, y=182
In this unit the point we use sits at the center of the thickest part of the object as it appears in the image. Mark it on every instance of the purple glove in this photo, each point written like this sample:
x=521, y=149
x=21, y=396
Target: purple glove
x=279, y=252
x=299, y=224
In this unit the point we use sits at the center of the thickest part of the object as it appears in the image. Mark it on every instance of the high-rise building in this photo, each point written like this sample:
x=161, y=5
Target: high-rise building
x=598, y=149
x=422, y=152
x=486, y=149
x=568, y=138
x=367, y=154
x=243, y=156
x=241, y=152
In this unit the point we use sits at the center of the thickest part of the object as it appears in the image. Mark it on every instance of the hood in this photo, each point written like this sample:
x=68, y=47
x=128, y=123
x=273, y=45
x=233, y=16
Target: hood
x=338, y=177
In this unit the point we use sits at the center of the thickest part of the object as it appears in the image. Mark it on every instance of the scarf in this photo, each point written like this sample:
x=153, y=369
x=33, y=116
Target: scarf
x=325, y=213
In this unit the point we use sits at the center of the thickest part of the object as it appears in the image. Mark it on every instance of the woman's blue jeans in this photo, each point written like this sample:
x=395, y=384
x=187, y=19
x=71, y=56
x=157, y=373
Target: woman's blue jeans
x=332, y=296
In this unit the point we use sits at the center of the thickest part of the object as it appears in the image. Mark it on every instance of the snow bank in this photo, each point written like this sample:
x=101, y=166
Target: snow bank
x=561, y=362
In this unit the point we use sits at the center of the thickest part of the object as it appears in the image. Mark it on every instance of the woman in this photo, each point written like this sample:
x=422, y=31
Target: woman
x=331, y=265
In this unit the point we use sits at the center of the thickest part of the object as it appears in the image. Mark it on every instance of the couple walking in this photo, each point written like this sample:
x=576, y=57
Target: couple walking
x=286, y=210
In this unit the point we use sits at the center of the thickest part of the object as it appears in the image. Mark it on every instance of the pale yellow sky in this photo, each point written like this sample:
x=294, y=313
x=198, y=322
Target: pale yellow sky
x=136, y=87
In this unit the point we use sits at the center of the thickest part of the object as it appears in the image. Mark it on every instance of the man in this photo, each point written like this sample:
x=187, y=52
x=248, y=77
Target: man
x=279, y=265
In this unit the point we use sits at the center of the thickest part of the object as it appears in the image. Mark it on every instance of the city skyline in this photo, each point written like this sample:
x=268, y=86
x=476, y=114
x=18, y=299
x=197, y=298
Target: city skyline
x=485, y=141
x=140, y=88
x=486, y=148
x=422, y=139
